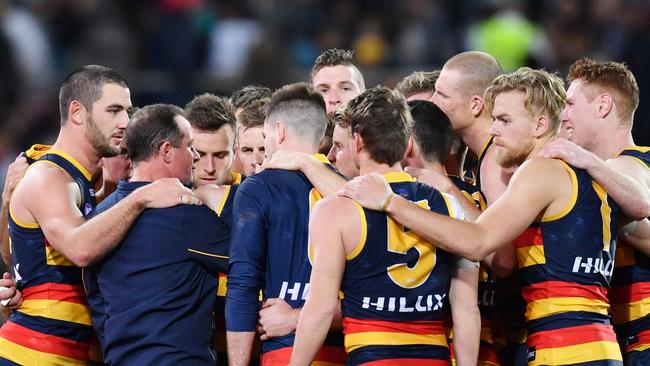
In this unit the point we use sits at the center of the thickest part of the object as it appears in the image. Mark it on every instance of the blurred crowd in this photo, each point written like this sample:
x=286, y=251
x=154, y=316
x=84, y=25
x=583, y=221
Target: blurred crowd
x=170, y=50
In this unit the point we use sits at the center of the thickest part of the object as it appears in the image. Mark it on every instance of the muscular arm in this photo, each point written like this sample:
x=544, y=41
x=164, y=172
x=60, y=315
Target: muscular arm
x=624, y=179
x=5, y=250
x=463, y=298
x=325, y=282
x=15, y=173
x=56, y=212
x=531, y=190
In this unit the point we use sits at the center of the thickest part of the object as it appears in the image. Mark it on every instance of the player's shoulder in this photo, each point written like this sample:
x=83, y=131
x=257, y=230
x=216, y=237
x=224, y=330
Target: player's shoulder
x=543, y=167
x=336, y=206
x=44, y=181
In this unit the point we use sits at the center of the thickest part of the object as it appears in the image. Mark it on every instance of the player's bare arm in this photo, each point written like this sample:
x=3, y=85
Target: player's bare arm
x=624, y=179
x=463, y=298
x=56, y=212
x=323, y=178
x=211, y=195
x=15, y=173
x=537, y=187
x=330, y=244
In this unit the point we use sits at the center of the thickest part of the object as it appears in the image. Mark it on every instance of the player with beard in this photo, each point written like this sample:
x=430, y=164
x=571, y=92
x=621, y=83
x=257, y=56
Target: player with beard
x=559, y=219
x=50, y=237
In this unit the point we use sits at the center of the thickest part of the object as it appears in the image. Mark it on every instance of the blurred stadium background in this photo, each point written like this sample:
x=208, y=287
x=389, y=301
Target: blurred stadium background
x=170, y=50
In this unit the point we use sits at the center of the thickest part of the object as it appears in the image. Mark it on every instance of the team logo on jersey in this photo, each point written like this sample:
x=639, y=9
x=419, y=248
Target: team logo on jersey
x=92, y=192
x=405, y=304
x=531, y=354
x=87, y=208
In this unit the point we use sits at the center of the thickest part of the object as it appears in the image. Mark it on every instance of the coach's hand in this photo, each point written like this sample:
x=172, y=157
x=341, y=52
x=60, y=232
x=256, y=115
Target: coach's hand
x=370, y=191
x=167, y=192
x=277, y=319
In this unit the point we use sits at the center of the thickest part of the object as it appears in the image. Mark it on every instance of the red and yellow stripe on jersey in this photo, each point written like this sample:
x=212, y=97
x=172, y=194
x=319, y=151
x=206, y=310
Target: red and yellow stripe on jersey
x=565, y=263
x=53, y=324
x=630, y=293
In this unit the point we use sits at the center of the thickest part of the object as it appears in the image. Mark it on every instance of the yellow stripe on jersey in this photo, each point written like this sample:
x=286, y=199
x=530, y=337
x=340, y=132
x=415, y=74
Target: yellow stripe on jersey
x=364, y=233
x=74, y=162
x=27, y=225
x=624, y=257
x=605, y=212
x=322, y=158
x=314, y=196
x=59, y=310
x=541, y=308
x=357, y=340
x=572, y=201
x=642, y=149
x=639, y=348
x=632, y=311
x=54, y=258
x=29, y=357
x=235, y=178
x=398, y=177
x=586, y=352
x=223, y=286
x=207, y=254
x=224, y=198
x=530, y=255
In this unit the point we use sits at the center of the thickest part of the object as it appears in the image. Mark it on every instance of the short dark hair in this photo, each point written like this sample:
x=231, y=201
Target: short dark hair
x=418, y=82
x=382, y=119
x=336, y=57
x=302, y=108
x=149, y=128
x=254, y=113
x=242, y=97
x=85, y=85
x=208, y=112
x=614, y=77
x=431, y=131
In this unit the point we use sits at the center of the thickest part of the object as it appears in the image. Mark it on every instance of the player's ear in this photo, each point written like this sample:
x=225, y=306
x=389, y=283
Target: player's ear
x=281, y=131
x=476, y=105
x=542, y=125
x=358, y=142
x=76, y=112
x=605, y=105
x=410, y=148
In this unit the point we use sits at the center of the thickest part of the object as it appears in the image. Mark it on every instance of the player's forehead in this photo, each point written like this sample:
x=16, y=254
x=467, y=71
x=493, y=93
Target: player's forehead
x=334, y=75
x=509, y=102
x=114, y=94
x=212, y=140
x=449, y=80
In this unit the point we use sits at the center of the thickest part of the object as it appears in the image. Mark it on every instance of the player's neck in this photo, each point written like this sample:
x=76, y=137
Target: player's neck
x=367, y=166
x=613, y=143
x=299, y=148
x=476, y=134
x=435, y=167
x=79, y=149
x=149, y=171
x=540, y=144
